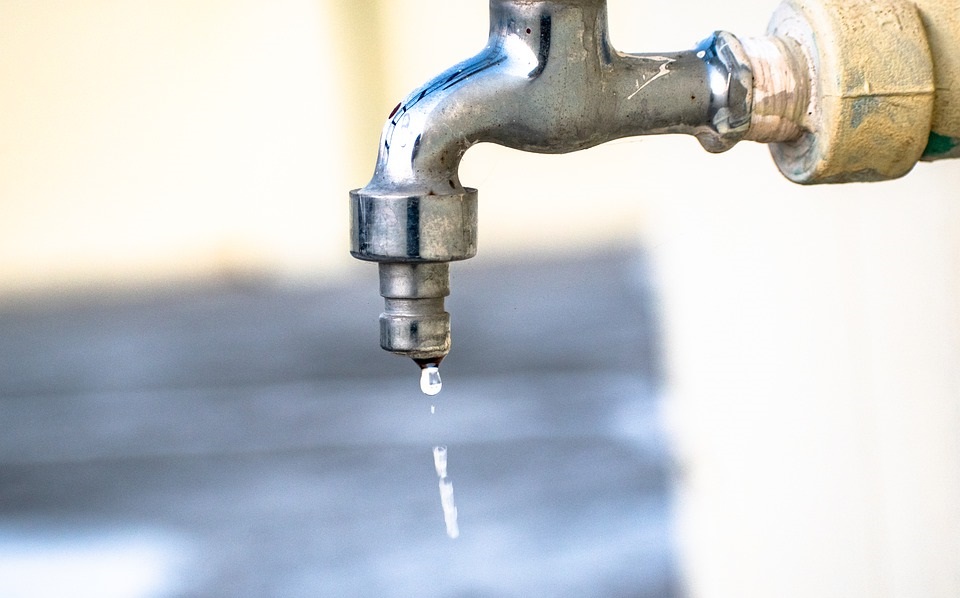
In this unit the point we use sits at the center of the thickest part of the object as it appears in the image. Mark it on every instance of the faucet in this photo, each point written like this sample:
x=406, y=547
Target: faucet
x=549, y=81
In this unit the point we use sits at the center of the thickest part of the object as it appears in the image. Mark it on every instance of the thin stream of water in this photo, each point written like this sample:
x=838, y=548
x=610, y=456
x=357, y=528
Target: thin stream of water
x=431, y=384
x=446, y=492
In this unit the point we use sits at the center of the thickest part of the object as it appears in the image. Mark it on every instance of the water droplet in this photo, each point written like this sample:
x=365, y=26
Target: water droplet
x=430, y=382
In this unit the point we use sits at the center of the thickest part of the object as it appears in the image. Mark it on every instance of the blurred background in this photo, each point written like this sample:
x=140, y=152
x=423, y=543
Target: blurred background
x=674, y=373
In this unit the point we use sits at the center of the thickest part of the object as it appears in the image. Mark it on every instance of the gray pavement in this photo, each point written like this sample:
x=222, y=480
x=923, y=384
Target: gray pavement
x=249, y=438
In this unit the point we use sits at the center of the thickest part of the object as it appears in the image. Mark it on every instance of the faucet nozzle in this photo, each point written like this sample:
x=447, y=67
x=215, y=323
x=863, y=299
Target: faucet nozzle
x=413, y=238
x=414, y=322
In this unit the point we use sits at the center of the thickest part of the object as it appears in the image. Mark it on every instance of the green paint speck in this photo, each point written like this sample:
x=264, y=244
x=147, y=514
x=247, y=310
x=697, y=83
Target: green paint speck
x=939, y=145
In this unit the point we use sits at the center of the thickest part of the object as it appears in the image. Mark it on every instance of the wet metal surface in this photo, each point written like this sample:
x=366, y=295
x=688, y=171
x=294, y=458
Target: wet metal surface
x=253, y=440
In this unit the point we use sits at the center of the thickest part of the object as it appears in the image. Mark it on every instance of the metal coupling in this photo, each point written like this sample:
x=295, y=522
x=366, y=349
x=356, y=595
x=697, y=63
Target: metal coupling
x=869, y=77
x=413, y=228
x=729, y=78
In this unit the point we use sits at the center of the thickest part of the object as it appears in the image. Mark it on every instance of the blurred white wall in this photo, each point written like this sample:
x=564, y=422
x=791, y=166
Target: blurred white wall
x=812, y=334
x=814, y=350
x=813, y=344
x=144, y=141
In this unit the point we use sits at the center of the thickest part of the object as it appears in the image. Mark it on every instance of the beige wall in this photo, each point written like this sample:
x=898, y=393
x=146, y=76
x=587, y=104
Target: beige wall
x=813, y=335
x=146, y=141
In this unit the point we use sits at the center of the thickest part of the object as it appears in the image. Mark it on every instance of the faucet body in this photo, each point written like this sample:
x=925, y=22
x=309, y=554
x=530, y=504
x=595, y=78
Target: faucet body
x=549, y=81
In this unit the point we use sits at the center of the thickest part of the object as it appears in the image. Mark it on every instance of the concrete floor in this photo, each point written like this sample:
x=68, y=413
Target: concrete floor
x=251, y=439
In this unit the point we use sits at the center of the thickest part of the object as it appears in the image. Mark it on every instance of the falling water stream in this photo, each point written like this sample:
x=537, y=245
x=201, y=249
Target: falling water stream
x=431, y=384
x=446, y=492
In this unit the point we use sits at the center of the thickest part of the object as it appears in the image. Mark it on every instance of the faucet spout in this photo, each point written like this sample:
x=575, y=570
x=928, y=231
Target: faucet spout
x=547, y=81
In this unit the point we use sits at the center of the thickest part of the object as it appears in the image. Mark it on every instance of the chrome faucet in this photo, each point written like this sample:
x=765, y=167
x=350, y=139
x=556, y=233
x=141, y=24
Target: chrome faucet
x=548, y=81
